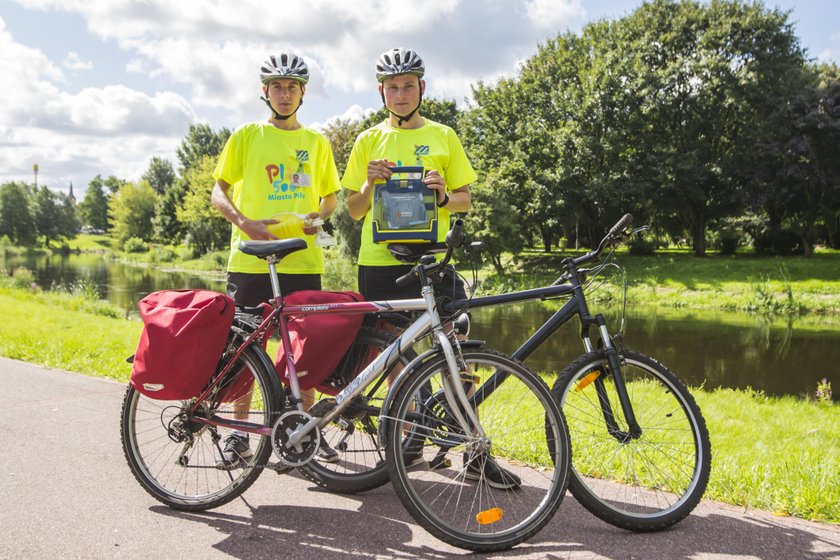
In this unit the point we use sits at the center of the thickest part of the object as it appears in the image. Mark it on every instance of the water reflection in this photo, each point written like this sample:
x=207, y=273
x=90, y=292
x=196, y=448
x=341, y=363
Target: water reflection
x=714, y=349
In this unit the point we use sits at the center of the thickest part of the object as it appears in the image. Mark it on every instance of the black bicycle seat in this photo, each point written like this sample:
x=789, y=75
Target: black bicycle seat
x=412, y=252
x=279, y=248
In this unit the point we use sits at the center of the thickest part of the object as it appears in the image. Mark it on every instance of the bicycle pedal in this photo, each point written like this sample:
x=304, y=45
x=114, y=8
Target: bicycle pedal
x=279, y=467
x=439, y=463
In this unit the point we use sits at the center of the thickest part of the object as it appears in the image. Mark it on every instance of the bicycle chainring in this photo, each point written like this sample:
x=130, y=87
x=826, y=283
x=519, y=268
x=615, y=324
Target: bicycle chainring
x=304, y=450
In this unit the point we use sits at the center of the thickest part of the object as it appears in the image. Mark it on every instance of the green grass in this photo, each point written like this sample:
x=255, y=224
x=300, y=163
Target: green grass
x=67, y=332
x=790, y=285
x=777, y=454
x=90, y=242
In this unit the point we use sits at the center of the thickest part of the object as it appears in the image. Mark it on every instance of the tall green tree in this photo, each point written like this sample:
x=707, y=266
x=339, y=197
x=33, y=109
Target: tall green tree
x=93, y=210
x=160, y=175
x=54, y=215
x=206, y=229
x=131, y=211
x=201, y=141
x=16, y=219
x=702, y=77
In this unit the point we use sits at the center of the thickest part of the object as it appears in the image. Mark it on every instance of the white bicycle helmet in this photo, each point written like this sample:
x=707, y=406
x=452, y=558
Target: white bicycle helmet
x=398, y=61
x=284, y=65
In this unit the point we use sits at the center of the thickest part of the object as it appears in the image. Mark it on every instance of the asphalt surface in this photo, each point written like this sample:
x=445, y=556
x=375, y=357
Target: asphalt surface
x=67, y=492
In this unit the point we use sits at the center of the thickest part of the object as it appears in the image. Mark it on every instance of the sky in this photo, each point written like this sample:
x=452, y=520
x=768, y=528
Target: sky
x=99, y=87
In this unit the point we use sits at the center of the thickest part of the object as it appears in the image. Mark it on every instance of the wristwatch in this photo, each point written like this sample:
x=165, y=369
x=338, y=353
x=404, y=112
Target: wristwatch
x=445, y=200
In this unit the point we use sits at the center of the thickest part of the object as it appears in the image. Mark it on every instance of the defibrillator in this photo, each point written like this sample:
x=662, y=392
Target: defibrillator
x=404, y=208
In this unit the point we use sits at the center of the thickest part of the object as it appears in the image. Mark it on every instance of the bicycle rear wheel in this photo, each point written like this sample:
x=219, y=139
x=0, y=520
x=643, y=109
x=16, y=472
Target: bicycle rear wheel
x=176, y=459
x=355, y=433
x=642, y=484
x=482, y=494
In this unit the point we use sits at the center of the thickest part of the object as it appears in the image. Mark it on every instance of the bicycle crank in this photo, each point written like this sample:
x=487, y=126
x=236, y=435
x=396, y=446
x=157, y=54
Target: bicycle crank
x=304, y=450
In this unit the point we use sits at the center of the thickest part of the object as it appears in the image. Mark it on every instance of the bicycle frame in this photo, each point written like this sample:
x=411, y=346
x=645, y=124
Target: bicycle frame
x=575, y=306
x=428, y=321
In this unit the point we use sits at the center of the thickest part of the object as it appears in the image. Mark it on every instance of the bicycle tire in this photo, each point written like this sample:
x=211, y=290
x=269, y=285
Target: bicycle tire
x=355, y=434
x=527, y=438
x=644, y=484
x=184, y=474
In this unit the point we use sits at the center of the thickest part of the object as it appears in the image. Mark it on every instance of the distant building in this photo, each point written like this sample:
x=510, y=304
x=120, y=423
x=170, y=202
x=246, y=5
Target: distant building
x=71, y=196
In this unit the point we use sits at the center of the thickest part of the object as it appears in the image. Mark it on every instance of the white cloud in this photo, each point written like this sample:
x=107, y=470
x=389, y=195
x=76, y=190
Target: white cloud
x=73, y=62
x=195, y=60
x=551, y=14
x=353, y=113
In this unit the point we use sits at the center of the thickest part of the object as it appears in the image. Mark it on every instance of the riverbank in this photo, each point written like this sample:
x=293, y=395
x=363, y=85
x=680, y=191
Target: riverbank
x=777, y=454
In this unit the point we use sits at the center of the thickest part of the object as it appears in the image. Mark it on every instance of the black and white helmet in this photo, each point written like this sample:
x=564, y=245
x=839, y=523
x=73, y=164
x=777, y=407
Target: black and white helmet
x=398, y=61
x=284, y=65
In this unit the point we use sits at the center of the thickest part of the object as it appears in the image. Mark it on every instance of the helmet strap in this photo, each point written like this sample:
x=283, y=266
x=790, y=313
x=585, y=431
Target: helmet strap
x=277, y=115
x=402, y=118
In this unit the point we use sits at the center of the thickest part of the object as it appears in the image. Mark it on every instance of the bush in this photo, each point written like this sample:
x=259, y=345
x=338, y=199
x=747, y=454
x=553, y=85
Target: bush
x=135, y=245
x=782, y=243
x=642, y=245
x=163, y=254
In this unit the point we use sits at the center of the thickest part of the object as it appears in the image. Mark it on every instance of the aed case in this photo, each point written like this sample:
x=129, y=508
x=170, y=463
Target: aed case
x=404, y=208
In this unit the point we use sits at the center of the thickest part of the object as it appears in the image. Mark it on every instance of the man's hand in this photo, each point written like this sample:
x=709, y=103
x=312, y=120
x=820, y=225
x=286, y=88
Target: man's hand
x=258, y=229
x=433, y=180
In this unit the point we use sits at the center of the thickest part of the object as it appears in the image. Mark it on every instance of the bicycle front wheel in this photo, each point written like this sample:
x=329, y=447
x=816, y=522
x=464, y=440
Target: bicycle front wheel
x=179, y=461
x=640, y=484
x=478, y=493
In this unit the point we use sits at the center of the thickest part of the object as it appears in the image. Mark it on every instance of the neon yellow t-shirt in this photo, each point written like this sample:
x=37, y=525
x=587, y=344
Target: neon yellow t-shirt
x=433, y=146
x=272, y=171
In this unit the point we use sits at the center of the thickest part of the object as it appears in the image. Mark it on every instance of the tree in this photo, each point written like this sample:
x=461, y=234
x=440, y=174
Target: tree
x=54, y=215
x=93, y=210
x=165, y=225
x=131, y=211
x=701, y=77
x=201, y=141
x=341, y=135
x=206, y=229
x=160, y=175
x=16, y=220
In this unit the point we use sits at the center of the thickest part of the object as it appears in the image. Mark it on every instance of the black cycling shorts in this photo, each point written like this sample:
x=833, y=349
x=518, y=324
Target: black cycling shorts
x=377, y=283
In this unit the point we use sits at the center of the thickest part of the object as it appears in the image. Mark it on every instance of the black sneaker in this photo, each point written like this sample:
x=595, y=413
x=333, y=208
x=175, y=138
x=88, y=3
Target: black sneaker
x=237, y=449
x=484, y=467
x=326, y=454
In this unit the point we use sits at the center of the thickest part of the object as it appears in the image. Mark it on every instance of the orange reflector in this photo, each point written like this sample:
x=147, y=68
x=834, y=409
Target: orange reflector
x=584, y=383
x=489, y=516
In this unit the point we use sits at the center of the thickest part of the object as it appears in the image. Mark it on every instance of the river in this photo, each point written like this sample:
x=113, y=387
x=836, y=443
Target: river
x=713, y=349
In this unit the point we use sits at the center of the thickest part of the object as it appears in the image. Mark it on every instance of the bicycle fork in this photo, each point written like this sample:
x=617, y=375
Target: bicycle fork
x=614, y=364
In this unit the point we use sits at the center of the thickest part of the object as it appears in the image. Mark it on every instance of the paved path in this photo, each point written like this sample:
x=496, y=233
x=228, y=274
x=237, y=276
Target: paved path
x=66, y=492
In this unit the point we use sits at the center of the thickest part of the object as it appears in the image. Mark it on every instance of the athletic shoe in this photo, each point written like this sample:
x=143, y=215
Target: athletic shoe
x=237, y=449
x=484, y=467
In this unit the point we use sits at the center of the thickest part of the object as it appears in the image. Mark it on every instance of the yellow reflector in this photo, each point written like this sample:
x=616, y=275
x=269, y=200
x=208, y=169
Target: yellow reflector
x=489, y=516
x=584, y=383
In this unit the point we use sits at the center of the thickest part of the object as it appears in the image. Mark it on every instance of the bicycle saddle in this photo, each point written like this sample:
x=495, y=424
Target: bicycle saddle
x=280, y=248
x=411, y=252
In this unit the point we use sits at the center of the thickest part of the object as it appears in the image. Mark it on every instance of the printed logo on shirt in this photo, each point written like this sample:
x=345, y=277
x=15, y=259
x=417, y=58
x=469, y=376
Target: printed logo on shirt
x=277, y=179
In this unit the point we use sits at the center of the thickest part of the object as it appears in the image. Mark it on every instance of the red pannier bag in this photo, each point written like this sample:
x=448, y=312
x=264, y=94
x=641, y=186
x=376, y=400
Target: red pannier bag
x=183, y=337
x=318, y=341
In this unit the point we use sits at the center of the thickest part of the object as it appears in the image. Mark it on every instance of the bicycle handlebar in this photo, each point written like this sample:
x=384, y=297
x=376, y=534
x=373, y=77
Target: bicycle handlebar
x=615, y=232
x=454, y=239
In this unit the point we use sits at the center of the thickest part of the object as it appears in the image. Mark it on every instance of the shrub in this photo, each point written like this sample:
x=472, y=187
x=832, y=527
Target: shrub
x=782, y=243
x=135, y=245
x=642, y=245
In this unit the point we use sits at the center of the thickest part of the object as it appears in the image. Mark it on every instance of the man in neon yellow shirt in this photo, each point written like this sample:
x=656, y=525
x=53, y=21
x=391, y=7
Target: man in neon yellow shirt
x=408, y=139
x=267, y=168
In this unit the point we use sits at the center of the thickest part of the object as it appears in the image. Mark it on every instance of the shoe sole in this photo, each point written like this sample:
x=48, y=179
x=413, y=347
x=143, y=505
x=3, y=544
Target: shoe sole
x=474, y=476
x=329, y=459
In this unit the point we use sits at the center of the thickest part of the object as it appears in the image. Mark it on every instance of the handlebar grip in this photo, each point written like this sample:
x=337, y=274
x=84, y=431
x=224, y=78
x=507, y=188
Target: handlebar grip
x=405, y=279
x=626, y=220
x=455, y=236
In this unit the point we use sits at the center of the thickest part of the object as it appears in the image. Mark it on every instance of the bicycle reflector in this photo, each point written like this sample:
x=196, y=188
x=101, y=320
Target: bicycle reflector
x=489, y=516
x=589, y=378
x=404, y=208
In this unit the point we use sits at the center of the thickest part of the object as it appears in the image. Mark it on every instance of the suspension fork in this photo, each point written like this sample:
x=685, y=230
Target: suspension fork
x=614, y=364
